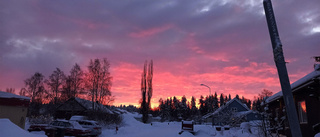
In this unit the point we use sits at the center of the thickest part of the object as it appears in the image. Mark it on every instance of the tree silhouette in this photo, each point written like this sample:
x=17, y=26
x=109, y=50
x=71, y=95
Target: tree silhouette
x=55, y=82
x=146, y=86
x=98, y=80
x=34, y=87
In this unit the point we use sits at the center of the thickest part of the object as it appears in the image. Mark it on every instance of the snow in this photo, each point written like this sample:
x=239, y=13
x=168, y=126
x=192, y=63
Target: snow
x=10, y=95
x=187, y=122
x=76, y=117
x=8, y=129
x=133, y=128
x=88, y=105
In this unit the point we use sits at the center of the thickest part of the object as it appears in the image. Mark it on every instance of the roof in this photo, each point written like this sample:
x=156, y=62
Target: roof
x=307, y=79
x=10, y=95
x=88, y=105
x=244, y=113
x=225, y=106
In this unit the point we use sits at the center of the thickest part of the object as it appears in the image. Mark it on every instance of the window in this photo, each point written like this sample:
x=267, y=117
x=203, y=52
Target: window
x=233, y=109
x=302, y=111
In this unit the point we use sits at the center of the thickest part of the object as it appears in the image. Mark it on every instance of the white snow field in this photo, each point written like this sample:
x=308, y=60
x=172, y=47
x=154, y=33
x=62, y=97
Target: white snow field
x=133, y=128
x=8, y=129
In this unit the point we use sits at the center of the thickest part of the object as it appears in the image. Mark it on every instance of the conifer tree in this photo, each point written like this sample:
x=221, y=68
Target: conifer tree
x=222, y=102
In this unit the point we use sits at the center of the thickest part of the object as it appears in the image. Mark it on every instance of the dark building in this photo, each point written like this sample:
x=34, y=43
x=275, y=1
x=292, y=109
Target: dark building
x=77, y=106
x=232, y=113
x=306, y=94
x=14, y=108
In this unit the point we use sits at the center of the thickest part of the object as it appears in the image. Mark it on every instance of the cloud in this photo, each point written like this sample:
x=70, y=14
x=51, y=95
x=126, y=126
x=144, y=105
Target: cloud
x=224, y=44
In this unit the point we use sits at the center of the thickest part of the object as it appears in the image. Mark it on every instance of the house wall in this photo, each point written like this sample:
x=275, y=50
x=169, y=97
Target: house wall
x=16, y=114
x=312, y=106
x=70, y=108
x=313, y=111
x=236, y=105
x=253, y=116
x=219, y=119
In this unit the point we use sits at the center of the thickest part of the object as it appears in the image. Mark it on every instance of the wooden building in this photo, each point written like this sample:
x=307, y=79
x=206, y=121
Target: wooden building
x=14, y=108
x=306, y=94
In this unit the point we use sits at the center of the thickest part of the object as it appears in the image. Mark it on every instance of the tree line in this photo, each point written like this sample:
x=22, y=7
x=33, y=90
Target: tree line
x=94, y=83
x=174, y=109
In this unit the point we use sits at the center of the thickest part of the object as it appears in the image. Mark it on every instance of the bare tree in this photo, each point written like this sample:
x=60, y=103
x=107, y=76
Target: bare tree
x=105, y=83
x=55, y=82
x=34, y=87
x=92, y=78
x=76, y=80
x=22, y=92
x=265, y=93
x=74, y=83
x=66, y=92
x=98, y=81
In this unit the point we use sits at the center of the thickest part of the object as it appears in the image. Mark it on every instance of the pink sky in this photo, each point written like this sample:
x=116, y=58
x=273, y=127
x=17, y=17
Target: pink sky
x=223, y=44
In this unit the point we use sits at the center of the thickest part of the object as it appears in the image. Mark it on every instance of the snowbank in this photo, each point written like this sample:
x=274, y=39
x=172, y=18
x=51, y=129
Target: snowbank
x=133, y=128
x=8, y=129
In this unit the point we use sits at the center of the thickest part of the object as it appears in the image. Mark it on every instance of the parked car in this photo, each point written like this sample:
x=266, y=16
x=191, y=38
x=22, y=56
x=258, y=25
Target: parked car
x=95, y=128
x=70, y=128
x=37, y=127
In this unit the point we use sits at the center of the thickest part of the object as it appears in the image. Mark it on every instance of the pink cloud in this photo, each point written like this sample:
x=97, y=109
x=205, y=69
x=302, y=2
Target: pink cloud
x=150, y=32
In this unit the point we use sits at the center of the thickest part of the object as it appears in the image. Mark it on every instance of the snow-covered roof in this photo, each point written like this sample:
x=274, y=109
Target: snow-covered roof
x=88, y=105
x=294, y=86
x=228, y=103
x=207, y=115
x=121, y=110
x=10, y=95
x=244, y=113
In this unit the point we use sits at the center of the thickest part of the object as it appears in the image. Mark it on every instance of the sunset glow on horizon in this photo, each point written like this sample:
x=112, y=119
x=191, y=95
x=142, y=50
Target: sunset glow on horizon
x=222, y=44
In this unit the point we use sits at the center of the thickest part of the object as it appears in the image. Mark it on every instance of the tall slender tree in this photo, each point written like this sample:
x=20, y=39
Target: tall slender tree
x=146, y=90
x=149, y=81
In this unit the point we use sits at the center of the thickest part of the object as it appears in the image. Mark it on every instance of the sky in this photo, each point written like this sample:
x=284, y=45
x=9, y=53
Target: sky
x=223, y=44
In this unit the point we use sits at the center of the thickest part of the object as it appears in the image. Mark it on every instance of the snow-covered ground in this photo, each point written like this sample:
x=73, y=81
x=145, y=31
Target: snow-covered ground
x=133, y=128
x=8, y=129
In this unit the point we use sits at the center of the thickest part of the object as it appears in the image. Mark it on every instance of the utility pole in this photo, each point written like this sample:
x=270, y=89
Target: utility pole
x=282, y=70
